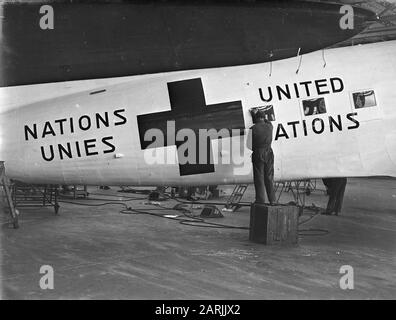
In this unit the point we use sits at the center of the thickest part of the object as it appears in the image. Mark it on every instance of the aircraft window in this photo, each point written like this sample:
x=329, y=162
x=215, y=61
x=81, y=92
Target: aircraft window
x=364, y=99
x=268, y=110
x=314, y=106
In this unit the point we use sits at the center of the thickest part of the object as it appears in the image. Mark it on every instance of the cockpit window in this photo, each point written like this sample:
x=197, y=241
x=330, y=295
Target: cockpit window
x=314, y=106
x=364, y=99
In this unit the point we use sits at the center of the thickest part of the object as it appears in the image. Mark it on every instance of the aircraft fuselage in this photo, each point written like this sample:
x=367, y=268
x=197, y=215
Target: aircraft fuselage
x=333, y=119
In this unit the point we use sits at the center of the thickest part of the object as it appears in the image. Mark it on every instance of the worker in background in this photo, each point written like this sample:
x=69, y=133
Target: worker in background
x=259, y=141
x=335, y=190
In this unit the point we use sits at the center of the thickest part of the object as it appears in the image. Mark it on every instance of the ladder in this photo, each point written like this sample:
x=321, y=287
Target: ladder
x=235, y=198
x=5, y=183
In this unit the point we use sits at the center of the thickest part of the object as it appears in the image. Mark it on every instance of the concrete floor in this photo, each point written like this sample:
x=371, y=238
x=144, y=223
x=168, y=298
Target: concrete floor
x=98, y=253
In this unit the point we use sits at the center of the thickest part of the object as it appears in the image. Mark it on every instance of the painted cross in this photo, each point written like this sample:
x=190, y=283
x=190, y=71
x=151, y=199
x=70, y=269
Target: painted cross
x=189, y=110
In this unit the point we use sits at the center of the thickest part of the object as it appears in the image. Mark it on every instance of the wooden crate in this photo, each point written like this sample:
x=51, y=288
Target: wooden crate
x=273, y=224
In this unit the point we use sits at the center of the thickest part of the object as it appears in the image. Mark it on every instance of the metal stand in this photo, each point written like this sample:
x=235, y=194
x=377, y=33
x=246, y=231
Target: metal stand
x=5, y=183
x=235, y=198
x=80, y=191
x=30, y=196
x=298, y=188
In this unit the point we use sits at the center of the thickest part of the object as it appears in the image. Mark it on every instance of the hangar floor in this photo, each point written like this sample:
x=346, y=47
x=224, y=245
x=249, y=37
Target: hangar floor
x=98, y=253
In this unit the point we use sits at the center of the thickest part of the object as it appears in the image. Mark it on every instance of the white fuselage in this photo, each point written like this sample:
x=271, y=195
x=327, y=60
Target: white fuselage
x=346, y=141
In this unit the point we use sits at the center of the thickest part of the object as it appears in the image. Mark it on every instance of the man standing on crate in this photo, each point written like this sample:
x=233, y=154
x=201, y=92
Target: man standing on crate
x=259, y=141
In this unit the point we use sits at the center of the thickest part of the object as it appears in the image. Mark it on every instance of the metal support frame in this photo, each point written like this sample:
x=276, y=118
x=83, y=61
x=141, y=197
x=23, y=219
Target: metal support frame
x=298, y=188
x=31, y=196
x=80, y=191
x=6, y=185
x=235, y=198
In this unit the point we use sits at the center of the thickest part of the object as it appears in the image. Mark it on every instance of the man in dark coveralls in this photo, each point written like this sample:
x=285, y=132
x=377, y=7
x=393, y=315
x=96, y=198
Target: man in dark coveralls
x=336, y=190
x=259, y=141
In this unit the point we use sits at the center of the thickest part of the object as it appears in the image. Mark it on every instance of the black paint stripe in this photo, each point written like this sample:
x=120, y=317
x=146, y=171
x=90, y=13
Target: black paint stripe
x=92, y=41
